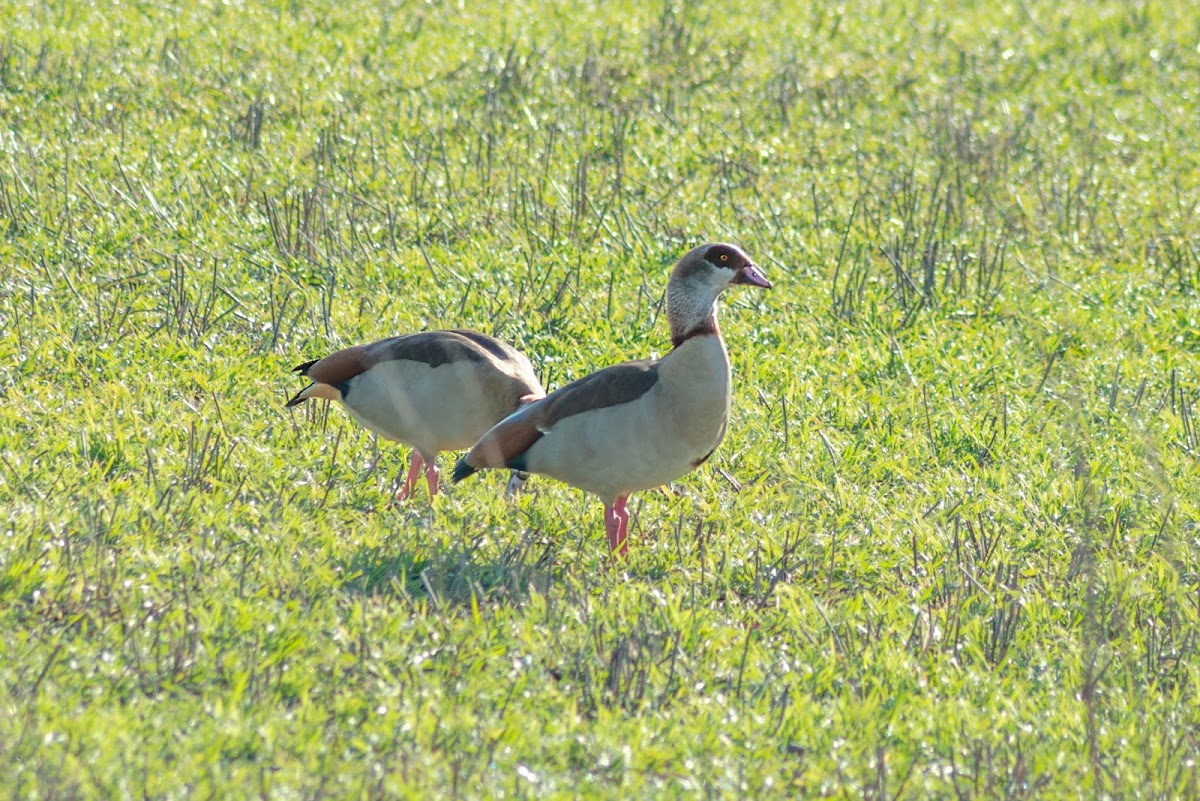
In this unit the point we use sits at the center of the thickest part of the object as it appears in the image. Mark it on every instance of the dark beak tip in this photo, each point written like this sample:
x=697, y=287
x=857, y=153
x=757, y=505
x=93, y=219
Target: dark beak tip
x=752, y=276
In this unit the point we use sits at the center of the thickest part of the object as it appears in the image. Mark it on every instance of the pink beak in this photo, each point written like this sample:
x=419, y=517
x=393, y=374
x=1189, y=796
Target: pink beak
x=750, y=274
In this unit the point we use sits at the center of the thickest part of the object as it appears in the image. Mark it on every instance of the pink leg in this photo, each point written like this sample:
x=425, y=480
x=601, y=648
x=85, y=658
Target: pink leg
x=431, y=476
x=415, y=463
x=616, y=526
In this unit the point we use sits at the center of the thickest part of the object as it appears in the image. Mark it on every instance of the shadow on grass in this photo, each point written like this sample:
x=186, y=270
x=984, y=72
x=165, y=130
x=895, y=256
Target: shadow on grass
x=451, y=577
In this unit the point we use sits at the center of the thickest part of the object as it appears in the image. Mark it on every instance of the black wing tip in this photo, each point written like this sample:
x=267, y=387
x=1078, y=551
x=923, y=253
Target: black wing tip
x=296, y=399
x=302, y=369
x=461, y=470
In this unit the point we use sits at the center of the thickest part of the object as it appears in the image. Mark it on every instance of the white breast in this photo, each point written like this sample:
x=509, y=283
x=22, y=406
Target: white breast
x=649, y=441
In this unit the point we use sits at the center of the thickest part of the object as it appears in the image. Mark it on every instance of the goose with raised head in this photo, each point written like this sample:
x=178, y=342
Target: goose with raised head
x=641, y=424
x=434, y=391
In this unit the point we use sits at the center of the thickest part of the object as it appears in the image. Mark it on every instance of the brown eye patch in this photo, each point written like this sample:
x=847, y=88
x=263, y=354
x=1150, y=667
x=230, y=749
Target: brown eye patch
x=724, y=256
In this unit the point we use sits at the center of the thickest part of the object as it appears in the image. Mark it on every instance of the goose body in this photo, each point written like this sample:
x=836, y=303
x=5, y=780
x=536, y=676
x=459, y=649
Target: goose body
x=637, y=425
x=435, y=391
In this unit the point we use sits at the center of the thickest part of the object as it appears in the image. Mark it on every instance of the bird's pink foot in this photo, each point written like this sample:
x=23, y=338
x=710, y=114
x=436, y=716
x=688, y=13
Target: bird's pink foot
x=432, y=475
x=616, y=526
x=415, y=465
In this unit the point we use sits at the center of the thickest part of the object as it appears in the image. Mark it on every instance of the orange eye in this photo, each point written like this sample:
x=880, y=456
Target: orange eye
x=724, y=257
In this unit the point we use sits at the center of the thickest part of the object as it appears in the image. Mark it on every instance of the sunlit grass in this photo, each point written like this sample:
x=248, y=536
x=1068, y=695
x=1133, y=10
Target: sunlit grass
x=948, y=547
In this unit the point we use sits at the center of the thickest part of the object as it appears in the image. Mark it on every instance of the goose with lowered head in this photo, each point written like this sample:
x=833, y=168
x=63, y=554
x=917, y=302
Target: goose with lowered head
x=435, y=391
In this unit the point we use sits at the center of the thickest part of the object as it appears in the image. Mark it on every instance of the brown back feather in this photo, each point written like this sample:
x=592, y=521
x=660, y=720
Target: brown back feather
x=433, y=348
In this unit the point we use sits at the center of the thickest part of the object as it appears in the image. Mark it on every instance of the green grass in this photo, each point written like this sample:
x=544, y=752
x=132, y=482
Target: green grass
x=948, y=549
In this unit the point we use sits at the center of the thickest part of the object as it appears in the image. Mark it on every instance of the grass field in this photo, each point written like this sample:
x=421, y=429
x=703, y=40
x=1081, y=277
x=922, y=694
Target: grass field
x=949, y=547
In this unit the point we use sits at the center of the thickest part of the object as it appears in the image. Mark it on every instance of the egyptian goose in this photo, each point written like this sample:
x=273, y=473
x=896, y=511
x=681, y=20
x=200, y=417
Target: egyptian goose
x=637, y=425
x=435, y=391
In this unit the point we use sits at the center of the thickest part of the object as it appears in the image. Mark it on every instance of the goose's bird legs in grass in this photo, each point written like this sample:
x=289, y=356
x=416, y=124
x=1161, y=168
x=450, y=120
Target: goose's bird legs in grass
x=637, y=425
x=435, y=391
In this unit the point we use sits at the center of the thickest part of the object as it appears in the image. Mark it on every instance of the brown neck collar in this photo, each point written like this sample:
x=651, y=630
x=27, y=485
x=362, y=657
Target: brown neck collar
x=706, y=327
